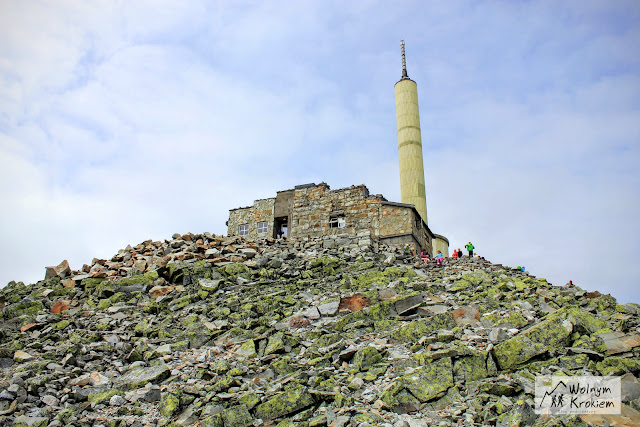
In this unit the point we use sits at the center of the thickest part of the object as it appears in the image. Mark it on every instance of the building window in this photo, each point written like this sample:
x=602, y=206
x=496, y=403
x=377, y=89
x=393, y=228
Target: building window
x=337, y=222
x=262, y=227
x=243, y=229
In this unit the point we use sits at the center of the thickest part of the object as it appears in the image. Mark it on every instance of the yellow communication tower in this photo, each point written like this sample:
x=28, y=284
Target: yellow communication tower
x=412, y=189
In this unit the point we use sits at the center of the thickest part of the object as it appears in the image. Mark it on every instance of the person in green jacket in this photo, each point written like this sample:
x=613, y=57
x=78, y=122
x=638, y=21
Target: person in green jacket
x=470, y=248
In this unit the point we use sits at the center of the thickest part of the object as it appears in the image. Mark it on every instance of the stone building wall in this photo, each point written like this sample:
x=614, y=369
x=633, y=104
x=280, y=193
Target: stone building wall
x=315, y=207
x=261, y=211
x=400, y=224
x=344, y=215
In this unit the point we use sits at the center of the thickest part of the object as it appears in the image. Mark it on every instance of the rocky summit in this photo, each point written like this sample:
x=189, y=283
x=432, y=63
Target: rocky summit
x=206, y=330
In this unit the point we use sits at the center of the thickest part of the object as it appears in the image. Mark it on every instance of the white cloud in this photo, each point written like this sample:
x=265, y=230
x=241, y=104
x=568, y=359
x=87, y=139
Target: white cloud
x=122, y=122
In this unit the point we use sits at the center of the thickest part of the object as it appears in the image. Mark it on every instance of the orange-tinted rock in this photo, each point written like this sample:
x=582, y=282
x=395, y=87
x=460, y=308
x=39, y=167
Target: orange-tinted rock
x=61, y=270
x=27, y=327
x=354, y=303
x=628, y=417
x=60, y=306
x=158, y=291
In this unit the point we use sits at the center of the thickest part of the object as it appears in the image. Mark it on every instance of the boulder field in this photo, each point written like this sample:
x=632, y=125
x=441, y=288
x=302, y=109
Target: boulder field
x=206, y=330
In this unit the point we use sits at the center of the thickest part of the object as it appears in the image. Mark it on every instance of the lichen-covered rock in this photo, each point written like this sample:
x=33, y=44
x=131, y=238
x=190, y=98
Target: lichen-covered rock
x=169, y=404
x=27, y=421
x=247, y=349
x=425, y=383
x=618, y=366
x=469, y=368
x=138, y=377
x=237, y=416
x=546, y=336
x=413, y=331
x=217, y=338
x=366, y=357
x=102, y=396
x=275, y=344
x=284, y=403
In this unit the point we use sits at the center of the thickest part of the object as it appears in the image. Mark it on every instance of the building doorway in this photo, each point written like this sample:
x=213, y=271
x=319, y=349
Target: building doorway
x=281, y=227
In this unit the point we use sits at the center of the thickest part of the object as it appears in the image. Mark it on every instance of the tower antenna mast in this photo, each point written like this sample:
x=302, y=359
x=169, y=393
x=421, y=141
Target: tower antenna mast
x=404, y=61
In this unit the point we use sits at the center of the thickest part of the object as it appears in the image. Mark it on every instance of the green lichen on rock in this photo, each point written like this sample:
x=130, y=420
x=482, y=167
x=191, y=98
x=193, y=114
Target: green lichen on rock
x=61, y=325
x=470, y=368
x=140, y=279
x=104, y=303
x=284, y=403
x=237, y=416
x=27, y=421
x=618, y=366
x=365, y=358
x=514, y=319
x=547, y=335
x=247, y=350
x=102, y=396
x=425, y=383
x=26, y=308
x=275, y=344
x=234, y=269
x=138, y=377
x=415, y=330
x=212, y=421
x=169, y=404
x=460, y=285
x=584, y=322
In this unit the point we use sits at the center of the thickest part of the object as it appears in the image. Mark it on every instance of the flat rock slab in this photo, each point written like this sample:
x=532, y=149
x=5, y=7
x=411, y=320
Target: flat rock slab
x=628, y=417
x=329, y=308
x=407, y=304
x=31, y=421
x=619, y=342
x=138, y=377
x=432, y=310
x=547, y=335
x=285, y=403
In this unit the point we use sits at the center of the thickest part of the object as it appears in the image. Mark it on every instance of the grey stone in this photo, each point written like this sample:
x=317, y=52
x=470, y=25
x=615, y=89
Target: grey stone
x=140, y=376
x=329, y=308
x=407, y=304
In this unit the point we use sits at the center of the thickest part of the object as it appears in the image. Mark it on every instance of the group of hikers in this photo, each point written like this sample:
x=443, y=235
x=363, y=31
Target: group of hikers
x=439, y=257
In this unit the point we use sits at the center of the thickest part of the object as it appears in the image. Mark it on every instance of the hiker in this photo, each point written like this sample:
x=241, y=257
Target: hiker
x=459, y=253
x=425, y=257
x=454, y=255
x=469, y=246
x=409, y=248
x=439, y=258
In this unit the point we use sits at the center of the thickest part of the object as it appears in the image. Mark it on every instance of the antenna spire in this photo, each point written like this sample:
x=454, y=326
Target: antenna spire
x=404, y=62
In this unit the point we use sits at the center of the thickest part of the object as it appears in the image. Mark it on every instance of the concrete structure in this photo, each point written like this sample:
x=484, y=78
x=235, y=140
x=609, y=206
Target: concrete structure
x=344, y=216
x=412, y=188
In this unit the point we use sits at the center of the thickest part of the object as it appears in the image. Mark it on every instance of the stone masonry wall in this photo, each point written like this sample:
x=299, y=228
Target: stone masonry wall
x=401, y=220
x=313, y=208
x=395, y=220
x=262, y=210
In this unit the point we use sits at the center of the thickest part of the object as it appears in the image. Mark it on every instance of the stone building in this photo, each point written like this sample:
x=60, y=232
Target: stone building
x=352, y=214
x=346, y=215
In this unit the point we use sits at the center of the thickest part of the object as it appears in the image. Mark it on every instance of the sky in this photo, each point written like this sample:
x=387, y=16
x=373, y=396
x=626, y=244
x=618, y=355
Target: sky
x=126, y=121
